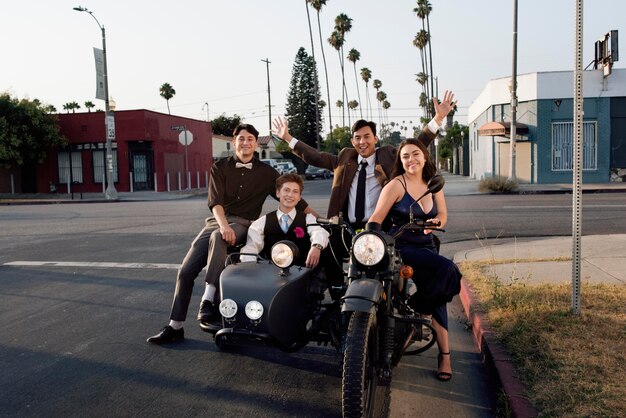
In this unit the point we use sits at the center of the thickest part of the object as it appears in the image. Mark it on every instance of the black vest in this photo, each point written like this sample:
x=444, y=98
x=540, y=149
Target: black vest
x=274, y=233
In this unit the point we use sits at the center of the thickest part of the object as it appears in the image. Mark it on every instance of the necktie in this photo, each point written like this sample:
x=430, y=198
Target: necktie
x=284, y=223
x=242, y=165
x=359, y=205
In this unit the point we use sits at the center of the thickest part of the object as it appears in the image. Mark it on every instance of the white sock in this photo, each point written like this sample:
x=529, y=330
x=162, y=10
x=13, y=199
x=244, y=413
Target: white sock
x=209, y=292
x=176, y=324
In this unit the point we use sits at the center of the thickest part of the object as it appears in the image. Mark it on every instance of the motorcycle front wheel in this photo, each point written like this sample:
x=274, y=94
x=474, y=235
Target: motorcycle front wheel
x=362, y=396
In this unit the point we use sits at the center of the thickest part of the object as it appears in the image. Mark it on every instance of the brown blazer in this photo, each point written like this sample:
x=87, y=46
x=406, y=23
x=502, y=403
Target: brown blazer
x=345, y=164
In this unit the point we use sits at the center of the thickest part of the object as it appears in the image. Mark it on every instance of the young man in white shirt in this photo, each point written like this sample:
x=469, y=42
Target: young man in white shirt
x=287, y=223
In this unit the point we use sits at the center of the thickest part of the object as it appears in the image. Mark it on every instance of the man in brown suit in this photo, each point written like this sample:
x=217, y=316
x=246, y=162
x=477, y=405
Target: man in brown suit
x=377, y=163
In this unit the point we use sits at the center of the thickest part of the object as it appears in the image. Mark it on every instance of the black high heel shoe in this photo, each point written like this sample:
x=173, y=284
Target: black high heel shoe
x=443, y=376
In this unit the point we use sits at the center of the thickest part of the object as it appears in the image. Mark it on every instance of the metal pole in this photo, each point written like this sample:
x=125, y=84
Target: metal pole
x=269, y=97
x=315, y=82
x=207, y=111
x=186, y=160
x=513, y=96
x=111, y=192
x=577, y=168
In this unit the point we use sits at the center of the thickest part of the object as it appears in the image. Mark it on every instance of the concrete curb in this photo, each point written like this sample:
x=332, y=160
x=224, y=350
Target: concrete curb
x=495, y=355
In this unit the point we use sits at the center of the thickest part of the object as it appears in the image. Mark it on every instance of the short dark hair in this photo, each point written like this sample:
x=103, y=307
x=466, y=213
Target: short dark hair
x=246, y=127
x=289, y=177
x=361, y=124
x=429, y=169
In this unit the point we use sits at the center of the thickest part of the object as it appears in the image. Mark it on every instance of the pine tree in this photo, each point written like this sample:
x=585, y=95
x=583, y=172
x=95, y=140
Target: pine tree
x=301, y=99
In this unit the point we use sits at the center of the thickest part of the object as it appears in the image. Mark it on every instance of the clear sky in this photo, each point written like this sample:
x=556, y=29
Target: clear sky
x=211, y=50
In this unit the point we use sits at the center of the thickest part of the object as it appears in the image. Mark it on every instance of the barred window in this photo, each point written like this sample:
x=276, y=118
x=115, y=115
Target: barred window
x=563, y=150
x=99, y=166
x=70, y=166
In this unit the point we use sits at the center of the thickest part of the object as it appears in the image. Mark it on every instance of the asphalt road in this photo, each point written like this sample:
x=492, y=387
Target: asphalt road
x=72, y=341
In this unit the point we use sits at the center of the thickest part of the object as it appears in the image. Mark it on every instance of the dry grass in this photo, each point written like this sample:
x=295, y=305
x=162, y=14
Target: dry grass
x=497, y=184
x=572, y=364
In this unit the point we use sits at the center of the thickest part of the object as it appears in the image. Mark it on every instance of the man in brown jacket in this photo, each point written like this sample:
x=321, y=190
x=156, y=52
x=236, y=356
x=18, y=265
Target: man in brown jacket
x=377, y=164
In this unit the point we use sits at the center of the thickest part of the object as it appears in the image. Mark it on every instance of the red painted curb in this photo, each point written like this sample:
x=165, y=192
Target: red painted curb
x=494, y=353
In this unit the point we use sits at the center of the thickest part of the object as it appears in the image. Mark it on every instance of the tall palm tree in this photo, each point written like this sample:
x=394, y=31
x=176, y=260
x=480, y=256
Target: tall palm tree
x=423, y=11
x=386, y=106
x=366, y=75
x=67, y=107
x=89, y=105
x=353, y=57
x=381, y=96
x=317, y=5
x=420, y=41
x=377, y=84
x=343, y=25
x=73, y=106
x=315, y=80
x=167, y=92
x=336, y=40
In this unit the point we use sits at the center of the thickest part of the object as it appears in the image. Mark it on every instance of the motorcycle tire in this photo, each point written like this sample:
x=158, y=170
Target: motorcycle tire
x=362, y=395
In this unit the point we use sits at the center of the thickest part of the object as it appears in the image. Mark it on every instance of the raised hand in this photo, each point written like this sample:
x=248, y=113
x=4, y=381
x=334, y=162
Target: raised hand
x=446, y=106
x=280, y=128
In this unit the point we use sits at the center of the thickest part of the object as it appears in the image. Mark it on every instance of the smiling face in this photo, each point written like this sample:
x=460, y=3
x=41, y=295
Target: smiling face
x=289, y=194
x=413, y=159
x=244, y=144
x=364, y=141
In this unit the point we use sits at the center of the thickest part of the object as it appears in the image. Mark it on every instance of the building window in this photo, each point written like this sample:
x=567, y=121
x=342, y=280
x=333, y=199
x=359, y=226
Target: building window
x=563, y=150
x=99, y=167
x=70, y=166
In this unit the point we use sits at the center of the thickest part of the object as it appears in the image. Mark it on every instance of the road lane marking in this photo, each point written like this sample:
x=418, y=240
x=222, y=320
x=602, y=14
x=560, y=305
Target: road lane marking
x=92, y=264
x=562, y=207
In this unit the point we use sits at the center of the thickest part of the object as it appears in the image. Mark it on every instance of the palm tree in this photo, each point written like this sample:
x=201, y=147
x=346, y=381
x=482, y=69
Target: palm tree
x=423, y=11
x=377, y=84
x=315, y=80
x=89, y=105
x=67, y=107
x=386, y=106
x=71, y=106
x=352, y=105
x=317, y=5
x=420, y=41
x=343, y=25
x=167, y=92
x=336, y=40
x=366, y=75
x=353, y=57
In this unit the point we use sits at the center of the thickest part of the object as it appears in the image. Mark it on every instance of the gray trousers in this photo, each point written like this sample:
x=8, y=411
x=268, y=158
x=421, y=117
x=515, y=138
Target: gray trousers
x=208, y=245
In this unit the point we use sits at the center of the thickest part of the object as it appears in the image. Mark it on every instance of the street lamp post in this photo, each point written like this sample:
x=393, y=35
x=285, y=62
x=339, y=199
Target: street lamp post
x=110, y=192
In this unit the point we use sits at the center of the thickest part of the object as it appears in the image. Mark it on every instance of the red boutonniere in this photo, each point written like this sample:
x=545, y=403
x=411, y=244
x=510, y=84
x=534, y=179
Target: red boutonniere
x=299, y=232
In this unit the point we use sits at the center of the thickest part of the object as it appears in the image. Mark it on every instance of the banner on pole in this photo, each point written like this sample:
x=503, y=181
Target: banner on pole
x=99, y=57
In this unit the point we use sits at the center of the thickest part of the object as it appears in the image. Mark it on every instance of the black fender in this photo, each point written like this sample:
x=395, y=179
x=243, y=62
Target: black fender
x=362, y=295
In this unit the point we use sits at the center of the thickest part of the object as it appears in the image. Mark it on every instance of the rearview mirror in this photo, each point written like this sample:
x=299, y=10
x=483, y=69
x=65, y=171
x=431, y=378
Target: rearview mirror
x=435, y=184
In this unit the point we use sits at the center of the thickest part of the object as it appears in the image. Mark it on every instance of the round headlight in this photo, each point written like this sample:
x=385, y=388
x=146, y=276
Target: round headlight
x=254, y=310
x=228, y=308
x=284, y=253
x=368, y=249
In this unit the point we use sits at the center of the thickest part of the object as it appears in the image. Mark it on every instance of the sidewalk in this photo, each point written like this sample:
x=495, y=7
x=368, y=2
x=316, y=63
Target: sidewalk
x=603, y=260
x=46, y=198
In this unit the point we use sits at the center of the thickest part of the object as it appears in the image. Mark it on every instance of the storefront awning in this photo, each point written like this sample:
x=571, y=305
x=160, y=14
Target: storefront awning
x=502, y=129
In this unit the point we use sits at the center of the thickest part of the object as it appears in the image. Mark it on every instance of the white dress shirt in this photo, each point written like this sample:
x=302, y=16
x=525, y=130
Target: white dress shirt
x=372, y=189
x=256, y=234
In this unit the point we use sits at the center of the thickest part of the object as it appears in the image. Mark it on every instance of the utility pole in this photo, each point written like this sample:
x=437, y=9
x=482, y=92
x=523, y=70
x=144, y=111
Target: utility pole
x=269, y=97
x=315, y=82
x=513, y=88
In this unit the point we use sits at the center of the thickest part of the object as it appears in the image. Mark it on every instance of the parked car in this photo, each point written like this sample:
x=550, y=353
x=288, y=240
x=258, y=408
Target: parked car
x=313, y=172
x=287, y=167
x=273, y=163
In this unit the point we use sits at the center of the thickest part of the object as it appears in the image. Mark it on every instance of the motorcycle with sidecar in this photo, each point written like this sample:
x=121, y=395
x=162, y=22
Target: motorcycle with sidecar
x=368, y=320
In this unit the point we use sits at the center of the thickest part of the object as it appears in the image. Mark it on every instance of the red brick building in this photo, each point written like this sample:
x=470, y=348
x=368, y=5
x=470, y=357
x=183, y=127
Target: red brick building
x=147, y=153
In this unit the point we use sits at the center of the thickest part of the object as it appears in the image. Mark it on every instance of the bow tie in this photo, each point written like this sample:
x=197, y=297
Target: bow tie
x=242, y=165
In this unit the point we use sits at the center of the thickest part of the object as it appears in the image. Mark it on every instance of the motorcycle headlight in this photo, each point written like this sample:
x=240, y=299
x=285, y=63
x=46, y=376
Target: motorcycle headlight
x=254, y=310
x=368, y=249
x=228, y=308
x=284, y=253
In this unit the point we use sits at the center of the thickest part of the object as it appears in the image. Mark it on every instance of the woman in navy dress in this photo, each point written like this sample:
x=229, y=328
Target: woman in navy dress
x=436, y=277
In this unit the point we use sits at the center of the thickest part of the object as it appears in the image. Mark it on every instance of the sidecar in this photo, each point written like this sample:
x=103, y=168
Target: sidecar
x=268, y=302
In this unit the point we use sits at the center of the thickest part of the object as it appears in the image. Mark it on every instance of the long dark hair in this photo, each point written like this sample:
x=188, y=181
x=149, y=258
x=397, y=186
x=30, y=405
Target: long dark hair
x=429, y=167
